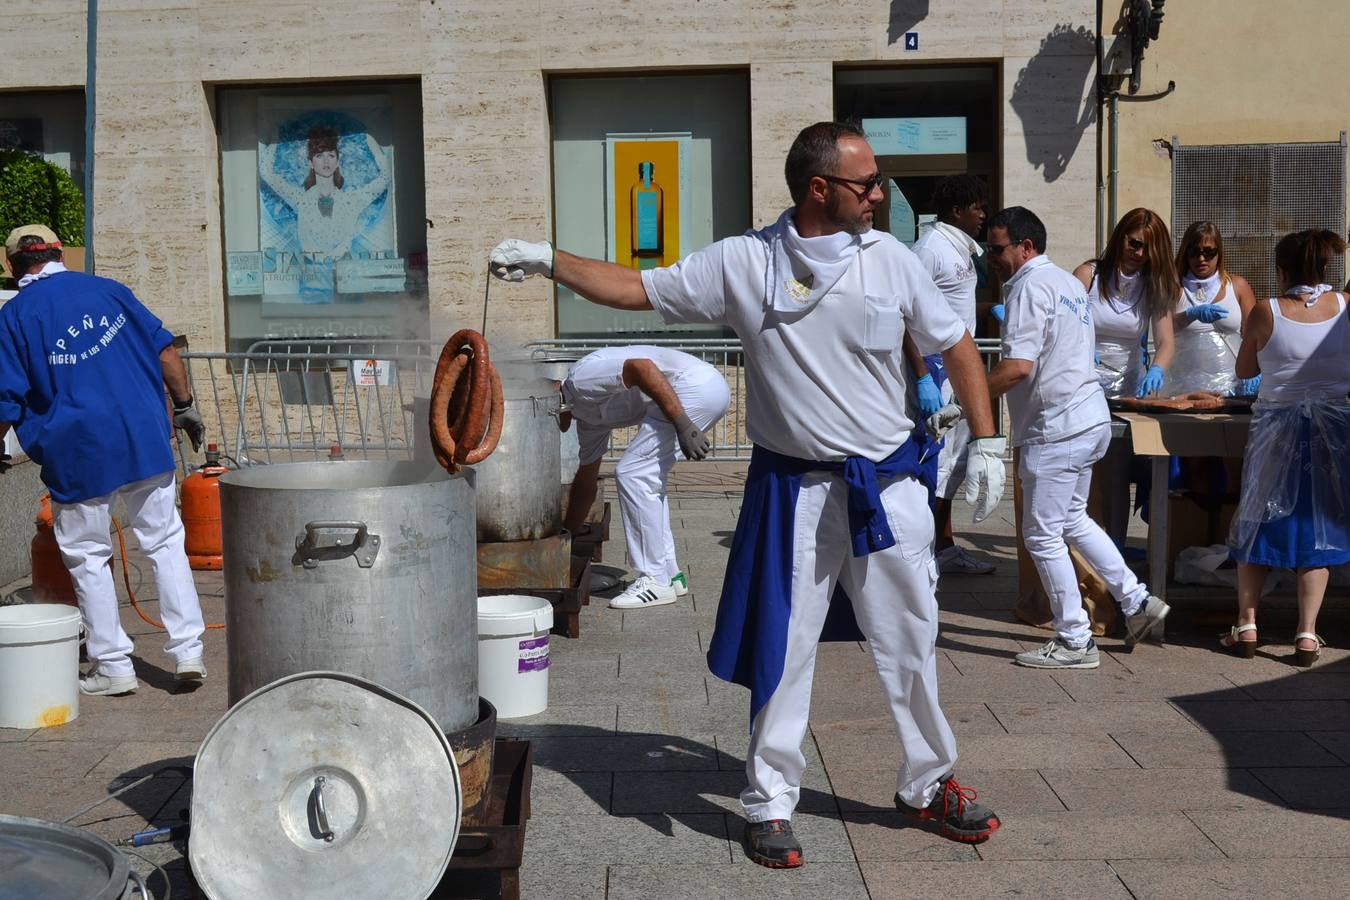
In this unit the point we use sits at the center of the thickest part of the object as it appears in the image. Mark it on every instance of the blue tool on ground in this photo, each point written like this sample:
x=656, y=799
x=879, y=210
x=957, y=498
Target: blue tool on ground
x=159, y=835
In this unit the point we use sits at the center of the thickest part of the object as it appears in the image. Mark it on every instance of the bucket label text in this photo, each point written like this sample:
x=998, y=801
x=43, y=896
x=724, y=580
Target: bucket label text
x=533, y=655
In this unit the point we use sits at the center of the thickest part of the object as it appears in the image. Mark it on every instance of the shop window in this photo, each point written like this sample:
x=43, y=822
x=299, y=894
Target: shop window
x=646, y=169
x=924, y=123
x=49, y=124
x=324, y=212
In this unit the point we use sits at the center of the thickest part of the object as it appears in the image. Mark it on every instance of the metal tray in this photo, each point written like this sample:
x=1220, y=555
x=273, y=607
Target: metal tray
x=41, y=860
x=1231, y=405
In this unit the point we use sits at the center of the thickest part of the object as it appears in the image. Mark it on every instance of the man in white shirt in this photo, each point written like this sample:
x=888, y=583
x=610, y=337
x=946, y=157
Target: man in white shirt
x=673, y=398
x=1061, y=425
x=948, y=251
x=833, y=497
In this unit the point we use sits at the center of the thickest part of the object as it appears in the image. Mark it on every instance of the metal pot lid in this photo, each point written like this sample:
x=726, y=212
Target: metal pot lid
x=327, y=784
x=40, y=860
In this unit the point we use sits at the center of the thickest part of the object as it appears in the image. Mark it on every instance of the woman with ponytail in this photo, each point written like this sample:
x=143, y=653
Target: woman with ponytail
x=1295, y=506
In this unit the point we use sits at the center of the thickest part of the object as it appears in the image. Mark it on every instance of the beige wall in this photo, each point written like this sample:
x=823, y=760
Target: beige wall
x=483, y=73
x=1247, y=71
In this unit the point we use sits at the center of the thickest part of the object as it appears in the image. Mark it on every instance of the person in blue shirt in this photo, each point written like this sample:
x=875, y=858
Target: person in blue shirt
x=83, y=368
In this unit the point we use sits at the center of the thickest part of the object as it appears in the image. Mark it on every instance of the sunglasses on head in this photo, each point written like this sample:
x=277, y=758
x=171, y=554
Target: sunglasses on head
x=1205, y=253
x=1135, y=244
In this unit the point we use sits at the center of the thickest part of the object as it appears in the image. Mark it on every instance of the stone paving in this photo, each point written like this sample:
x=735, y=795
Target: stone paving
x=1171, y=771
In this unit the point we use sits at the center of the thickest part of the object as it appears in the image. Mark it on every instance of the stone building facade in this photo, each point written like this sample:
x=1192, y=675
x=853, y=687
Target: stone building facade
x=474, y=98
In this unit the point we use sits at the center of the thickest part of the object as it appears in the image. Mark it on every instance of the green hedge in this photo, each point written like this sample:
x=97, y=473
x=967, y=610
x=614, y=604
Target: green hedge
x=34, y=190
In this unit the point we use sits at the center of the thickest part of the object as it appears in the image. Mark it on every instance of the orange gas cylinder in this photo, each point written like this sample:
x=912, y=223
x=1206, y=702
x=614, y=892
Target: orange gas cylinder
x=51, y=578
x=201, y=513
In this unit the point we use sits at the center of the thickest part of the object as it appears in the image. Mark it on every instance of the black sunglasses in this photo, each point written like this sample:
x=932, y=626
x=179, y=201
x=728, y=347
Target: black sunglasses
x=1205, y=253
x=865, y=188
x=1135, y=244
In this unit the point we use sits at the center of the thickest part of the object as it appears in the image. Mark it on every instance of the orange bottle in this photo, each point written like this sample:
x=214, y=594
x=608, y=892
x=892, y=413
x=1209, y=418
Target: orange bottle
x=51, y=578
x=201, y=513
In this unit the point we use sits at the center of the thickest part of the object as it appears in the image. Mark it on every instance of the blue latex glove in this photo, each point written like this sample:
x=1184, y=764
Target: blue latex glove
x=1208, y=313
x=1247, y=387
x=1152, y=380
x=930, y=396
x=998, y=312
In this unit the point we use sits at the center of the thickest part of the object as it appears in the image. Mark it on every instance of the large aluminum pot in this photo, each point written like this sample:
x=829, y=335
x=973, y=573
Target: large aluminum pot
x=366, y=568
x=556, y=369
x=519, y=494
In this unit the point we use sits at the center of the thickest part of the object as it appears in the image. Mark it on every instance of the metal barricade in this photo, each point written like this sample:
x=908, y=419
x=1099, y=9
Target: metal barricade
x=729, y=438
x=294, y=401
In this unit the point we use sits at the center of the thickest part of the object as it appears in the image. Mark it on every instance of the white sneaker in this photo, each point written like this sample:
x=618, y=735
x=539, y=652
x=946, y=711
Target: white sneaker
x=642, y=593
x=193, y=669
x=1056, y=654
x=680, y=584
x=1146, y=621
x=955, y=560
x=108, y=685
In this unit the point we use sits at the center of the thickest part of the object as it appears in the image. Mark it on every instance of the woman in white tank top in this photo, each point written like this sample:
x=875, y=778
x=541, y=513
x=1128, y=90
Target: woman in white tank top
x=1208, y=324
x=1295, y=506
x=1132, y=285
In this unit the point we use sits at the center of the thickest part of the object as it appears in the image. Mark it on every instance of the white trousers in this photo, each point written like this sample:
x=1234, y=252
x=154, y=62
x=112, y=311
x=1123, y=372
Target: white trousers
x=893, y=600
x=83, y=534
x=1055, y=478
x=645, y=465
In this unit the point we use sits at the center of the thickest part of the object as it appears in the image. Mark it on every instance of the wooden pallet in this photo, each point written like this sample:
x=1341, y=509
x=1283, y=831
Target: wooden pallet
x=597, y=534
x=496, y=846
x=567, y=602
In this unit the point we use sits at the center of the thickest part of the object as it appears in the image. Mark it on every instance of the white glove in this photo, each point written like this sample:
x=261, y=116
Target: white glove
x=945, y=419
x=984, y=469
x=516, y=260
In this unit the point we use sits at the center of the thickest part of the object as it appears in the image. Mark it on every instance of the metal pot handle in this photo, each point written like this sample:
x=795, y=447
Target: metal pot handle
x=320, y=813
x=364, y=546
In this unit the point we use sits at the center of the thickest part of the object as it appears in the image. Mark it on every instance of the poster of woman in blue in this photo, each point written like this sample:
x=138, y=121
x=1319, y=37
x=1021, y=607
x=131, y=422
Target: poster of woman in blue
x=325, y=194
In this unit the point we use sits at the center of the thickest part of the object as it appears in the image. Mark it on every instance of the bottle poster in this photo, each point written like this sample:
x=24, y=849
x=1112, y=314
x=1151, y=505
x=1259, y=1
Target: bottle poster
x=325, y=198
x=645, y=212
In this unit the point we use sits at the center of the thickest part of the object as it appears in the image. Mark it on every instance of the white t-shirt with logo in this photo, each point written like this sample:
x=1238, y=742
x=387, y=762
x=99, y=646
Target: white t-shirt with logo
x=952, y=268
x=1048, y=321
x=600, y=400
x=828, y=381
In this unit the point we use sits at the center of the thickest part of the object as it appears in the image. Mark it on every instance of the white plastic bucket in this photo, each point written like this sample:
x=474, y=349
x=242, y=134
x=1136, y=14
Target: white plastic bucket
x=39, y=665
x=513, y=653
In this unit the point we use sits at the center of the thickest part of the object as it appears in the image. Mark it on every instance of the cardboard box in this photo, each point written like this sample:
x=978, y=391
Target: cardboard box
x=1188, y=434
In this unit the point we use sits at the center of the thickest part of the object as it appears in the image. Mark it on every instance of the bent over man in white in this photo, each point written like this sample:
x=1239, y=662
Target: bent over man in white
x=673, y=398
x=833, y=498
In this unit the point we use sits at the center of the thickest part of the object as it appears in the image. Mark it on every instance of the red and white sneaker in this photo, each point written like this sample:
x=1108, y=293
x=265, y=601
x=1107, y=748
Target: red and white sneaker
x=955, y=812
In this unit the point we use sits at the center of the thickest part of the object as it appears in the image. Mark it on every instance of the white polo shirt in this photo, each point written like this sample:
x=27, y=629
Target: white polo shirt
x=600, y=400
x=952, y=267
x=1049, y=323
x=829, y=381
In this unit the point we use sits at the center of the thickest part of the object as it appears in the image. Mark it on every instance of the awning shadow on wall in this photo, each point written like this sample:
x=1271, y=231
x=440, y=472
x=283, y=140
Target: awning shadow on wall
x=905, y=14
x=1048, y=98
